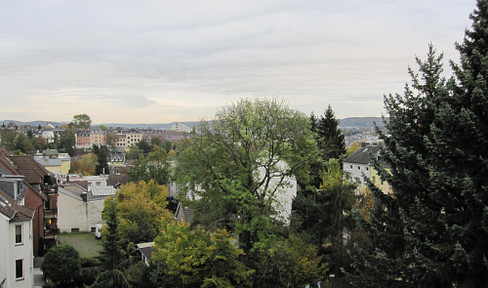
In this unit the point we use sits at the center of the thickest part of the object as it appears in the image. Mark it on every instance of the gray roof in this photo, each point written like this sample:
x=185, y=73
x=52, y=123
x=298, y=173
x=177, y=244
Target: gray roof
x=363, y=155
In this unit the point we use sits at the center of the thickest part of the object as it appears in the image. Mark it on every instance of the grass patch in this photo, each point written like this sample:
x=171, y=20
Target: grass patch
x=84, y=243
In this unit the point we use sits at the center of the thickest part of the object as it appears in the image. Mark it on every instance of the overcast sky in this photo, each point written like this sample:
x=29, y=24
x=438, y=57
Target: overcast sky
x=164, y=61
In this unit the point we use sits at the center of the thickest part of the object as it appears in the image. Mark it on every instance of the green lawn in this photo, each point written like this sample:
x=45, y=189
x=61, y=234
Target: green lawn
x=84, y=243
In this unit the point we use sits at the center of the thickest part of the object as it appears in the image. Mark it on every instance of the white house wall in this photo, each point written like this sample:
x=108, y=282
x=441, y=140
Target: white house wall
x=357, y=171
x=22, y=251
x=74, y=213
x=5, y=267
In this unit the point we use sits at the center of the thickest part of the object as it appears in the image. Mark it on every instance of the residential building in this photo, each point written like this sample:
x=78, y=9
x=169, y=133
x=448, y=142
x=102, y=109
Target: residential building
x=60, y=164
x=359, y=166
x=80, y=210
x=82, y=139
x=180, y=127
x=98, y=137
x=30, y=185
x=127, y=139
x=16, y=247
x=144, y=252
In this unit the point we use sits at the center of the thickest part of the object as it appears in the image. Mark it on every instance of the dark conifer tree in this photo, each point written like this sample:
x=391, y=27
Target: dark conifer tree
x=103, y=155
x=433, y=231
x=330, y=141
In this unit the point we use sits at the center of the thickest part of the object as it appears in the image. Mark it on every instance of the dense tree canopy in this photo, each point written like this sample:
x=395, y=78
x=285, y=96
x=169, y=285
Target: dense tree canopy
x=238, y=166
x=61, y=266
x=199, y=258
x=81, y=121
x=141, y=211
x=432, y=231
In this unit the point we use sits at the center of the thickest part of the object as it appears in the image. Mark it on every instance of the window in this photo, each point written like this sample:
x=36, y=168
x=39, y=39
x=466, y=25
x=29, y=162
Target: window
x=18, y=234
x=351, y=167
x=47, y=204
x=359, y=167
x=367, y=168
x=19, y=269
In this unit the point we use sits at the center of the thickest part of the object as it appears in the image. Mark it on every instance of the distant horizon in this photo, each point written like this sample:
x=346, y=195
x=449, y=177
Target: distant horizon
x=153, y=61
x=6, y=121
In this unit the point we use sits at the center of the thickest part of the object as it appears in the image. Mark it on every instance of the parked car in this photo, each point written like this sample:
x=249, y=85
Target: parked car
x=98, y=231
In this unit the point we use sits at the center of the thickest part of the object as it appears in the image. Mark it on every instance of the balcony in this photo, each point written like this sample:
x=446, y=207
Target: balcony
x=51, y=233
x=49, y=214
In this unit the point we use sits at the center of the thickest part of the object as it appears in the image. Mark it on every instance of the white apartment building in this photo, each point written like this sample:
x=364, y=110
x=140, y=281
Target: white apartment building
x=16, y=247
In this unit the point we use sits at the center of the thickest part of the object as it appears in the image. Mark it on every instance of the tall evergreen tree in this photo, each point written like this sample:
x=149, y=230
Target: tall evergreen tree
x=102, y=159
x=433, y=231
x=330, y=142
x=112, y=255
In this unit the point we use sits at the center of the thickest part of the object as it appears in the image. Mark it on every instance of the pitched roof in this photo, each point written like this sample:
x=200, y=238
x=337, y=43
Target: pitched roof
x=6, y=163
x=13, y=211
x=114, y=180
x=363, y=155
x=33, y=171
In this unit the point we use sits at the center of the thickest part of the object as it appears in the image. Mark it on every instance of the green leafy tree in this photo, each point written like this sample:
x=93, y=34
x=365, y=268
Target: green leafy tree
x=67, y=141
x=432, y=231
x=61, y=266
x=81, y=121
x=145, y=146
x=39, y=143
x=156, y=142
x=199, y=258
x=153, y=166
x=17, y=142
x=167, y=146
x=289, y=262
x=134, y=153
x=241, y=163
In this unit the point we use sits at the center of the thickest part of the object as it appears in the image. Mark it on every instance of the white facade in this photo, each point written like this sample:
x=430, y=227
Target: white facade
x=15, y=254
x=77, y=212
x=357, y=171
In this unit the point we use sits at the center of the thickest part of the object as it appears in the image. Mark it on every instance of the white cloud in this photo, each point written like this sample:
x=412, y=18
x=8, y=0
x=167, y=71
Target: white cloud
x=161, y=61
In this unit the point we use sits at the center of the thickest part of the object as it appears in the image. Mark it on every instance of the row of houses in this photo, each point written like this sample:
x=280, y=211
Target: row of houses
x=35, y=207
x=28, y=217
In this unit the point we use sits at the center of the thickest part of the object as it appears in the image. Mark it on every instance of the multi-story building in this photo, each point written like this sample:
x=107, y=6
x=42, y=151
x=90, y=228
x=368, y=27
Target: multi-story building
x=359, y=166
x=128, y=139
x=83, y=139
x=98, y=137
x=58, y=164
x=16, y=247
x=26, y=181
x=80, y=210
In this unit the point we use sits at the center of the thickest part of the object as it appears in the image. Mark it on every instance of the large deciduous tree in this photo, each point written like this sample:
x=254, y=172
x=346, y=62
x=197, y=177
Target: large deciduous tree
x=153, y=166
x=239, y=165
x=67, y=141
x=433, y=232
x=198, y=258
x=81, y=121
x=141, y=211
